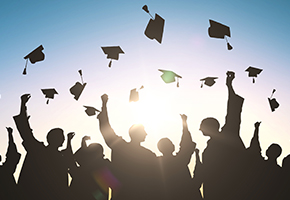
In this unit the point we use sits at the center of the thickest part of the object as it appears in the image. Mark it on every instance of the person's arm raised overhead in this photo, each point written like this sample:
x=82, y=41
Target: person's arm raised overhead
x=21, y=120
x=255, y=148
x=12, y=155
x=108, y=133
x=234, y=108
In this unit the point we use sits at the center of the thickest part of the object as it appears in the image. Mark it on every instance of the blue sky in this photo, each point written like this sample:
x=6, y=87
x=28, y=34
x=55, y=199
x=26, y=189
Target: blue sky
x=72, y=33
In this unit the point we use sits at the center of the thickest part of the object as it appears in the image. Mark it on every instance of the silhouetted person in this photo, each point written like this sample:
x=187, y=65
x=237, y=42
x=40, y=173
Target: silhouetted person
x=135, y=167
x=91, y=179
x=222, y=158
x=266, y=174
x=284, y=192
x=176, y=177
x=44, y=174
x=8, y=188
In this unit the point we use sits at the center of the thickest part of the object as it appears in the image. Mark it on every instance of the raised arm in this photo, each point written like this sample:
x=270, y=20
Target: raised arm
x=234, y=108
x=12, y=155
x=108, y=133
x=187, y=146
x=255, y=148
x=21, y=120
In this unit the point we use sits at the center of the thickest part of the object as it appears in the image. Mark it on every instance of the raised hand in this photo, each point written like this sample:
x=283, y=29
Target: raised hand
x=183, y=117
x=257, y=124
x=230, y=77
x=25, y=98
x=86, y=138
x=104, y=98
x=70, y=135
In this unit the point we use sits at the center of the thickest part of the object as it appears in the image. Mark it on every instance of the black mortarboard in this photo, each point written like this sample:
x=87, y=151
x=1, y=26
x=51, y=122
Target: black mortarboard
x=155, y=27
x=91, y=110
x=209, y=81
x=78, y=87
x=253, y=72
x=35, y=56
x=112, y=53
x=134, y=94
x=218, y=30
x=273, y=102
x=49, y=93
x=169, y=76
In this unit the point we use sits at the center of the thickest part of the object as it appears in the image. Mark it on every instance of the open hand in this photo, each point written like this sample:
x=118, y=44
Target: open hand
x=70, y=135
x=25, y=98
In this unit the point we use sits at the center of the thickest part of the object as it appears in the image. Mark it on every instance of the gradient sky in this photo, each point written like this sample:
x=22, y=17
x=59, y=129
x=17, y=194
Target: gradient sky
x=72, y=33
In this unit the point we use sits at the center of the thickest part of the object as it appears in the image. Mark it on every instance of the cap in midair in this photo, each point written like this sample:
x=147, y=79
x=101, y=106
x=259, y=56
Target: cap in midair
x=218, y=30
x=78, y=87
x=155, y=27
x=49, y=93
x=273, y=102
x=112, y=53
x=35, y=56
x=253, y=72
x=209, y=81
x=91, y=110
x=134, y=94
x=169, y=76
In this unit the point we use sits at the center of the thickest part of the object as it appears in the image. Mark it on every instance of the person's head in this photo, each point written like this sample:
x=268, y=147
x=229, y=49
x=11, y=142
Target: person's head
x=286, y=163
x=137, y=133
x=209, y=126
x=55, y=137
x=273, y=151
x=96, y=150
x=165, y=146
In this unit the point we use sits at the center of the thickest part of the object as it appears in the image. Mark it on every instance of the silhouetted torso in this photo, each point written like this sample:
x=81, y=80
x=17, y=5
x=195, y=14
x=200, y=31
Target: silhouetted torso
x=44, y=174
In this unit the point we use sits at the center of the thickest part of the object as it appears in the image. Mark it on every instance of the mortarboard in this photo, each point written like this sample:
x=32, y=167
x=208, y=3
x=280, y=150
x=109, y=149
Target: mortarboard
x=112, y=53
x=169, y=76
x=49, y=93
x=134, y=94
x=35, y=56
x=273, y=102
x=91, y=110
x=78, y=87
x=209, y=81
x=155, y=27
x=253, y=72
x=218, y=30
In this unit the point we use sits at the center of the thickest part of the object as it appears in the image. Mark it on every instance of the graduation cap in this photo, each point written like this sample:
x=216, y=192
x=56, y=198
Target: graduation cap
x=91, y=110
x=169, y=76
x=134, y=94
x=253, y=72
x=112, y=53
x=49, y=93
x=78, y=87
x=35, y=56
x=273, y=102
x=218, y=30
x=209, y=81
x=155, y=27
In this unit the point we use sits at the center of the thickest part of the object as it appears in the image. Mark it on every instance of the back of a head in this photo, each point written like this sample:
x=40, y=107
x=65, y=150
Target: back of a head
x=286, y=163
x=55, y=137
x=209, y=126
x=137, y=132
x=274, y=151
x=96, y=150
x=165, y=146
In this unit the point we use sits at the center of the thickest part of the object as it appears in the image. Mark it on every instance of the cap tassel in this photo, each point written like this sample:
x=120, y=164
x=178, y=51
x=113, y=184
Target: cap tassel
x=228, y=45
x=47, y=101
x=110, y=63
x=274, y=90
x=253, y=80
x=81, y=74
x=145, y=8
x=177, y=82
x=24, y=71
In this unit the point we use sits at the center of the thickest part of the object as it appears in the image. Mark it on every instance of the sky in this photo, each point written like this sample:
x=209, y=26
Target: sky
x=73, y=32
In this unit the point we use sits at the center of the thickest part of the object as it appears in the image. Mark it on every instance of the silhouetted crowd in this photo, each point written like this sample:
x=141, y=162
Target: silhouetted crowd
x=228, y=170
